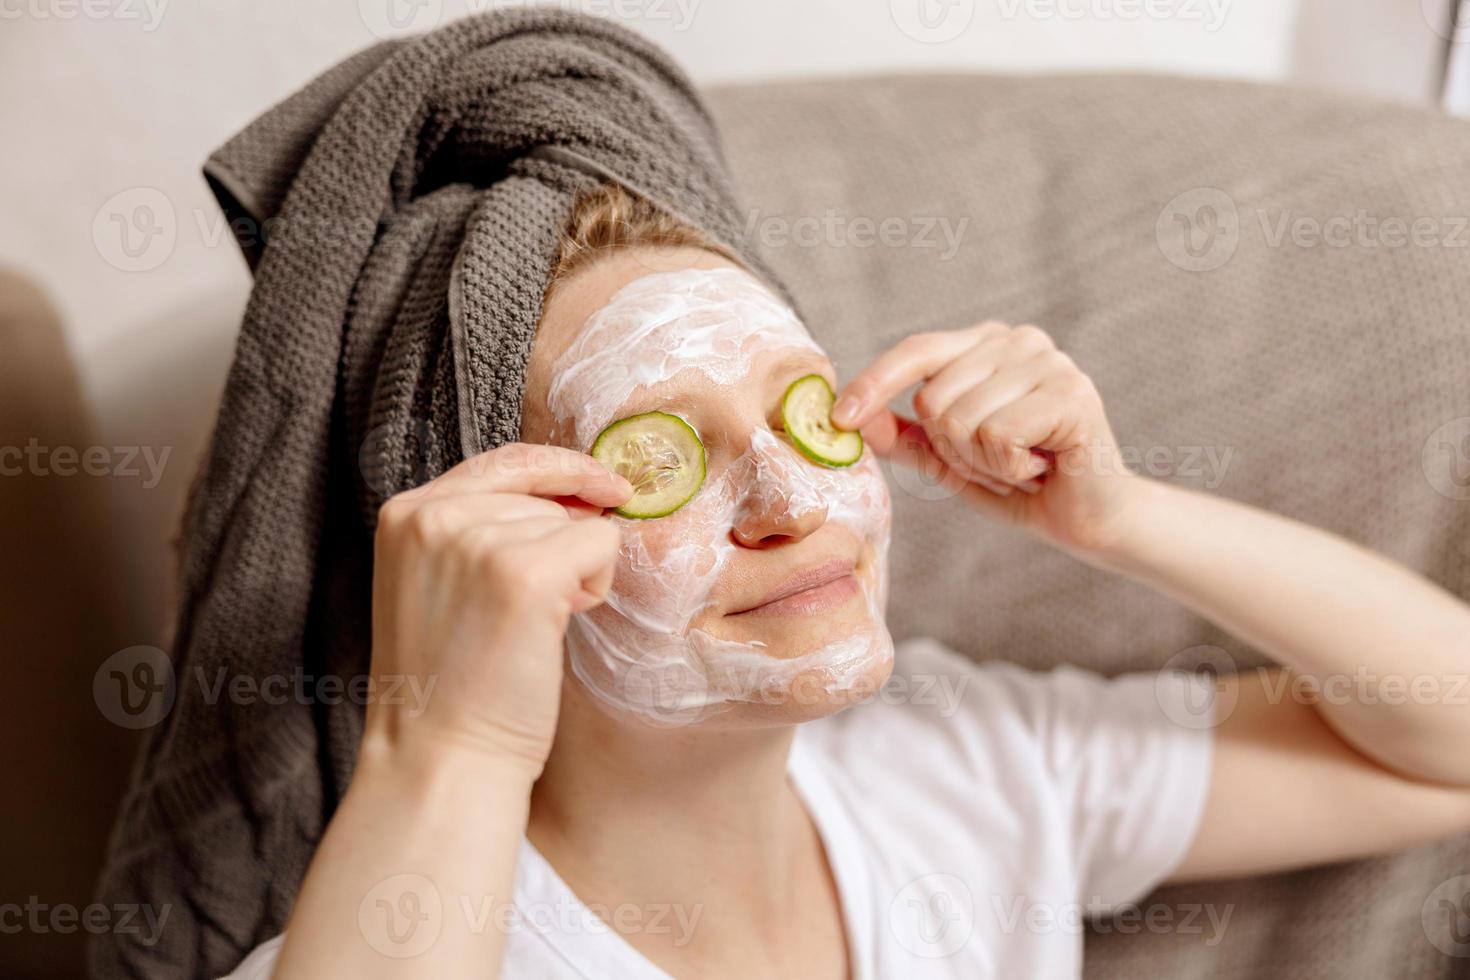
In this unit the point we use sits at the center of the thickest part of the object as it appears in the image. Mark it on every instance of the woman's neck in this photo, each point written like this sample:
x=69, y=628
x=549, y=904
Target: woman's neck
x=700, y=826
x=696, y=829
x=639, y=803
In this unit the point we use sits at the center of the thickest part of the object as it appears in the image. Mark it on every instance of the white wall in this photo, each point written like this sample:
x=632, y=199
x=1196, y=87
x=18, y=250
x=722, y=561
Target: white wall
x=112, y=105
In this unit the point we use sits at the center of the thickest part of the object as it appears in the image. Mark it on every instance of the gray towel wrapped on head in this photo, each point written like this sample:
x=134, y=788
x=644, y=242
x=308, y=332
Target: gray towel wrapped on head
x=402, y=214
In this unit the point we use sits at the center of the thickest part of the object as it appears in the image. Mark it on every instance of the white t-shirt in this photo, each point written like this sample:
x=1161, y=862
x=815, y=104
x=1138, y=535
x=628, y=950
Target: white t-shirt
x=974, y=816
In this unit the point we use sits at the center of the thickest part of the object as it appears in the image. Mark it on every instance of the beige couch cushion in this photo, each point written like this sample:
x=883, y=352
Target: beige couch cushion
x=1328, y=383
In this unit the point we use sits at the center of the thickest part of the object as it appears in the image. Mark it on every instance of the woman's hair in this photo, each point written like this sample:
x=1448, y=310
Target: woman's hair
x=609, y=217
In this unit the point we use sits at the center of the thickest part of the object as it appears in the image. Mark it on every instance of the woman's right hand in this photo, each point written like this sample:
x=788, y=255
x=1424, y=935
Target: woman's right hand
x=476, y=575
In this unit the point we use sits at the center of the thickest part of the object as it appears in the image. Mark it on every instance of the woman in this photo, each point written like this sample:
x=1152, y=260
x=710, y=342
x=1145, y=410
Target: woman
x=780, y=829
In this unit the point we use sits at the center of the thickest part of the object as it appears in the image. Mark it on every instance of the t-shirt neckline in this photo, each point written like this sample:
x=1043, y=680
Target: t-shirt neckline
x=602, y=951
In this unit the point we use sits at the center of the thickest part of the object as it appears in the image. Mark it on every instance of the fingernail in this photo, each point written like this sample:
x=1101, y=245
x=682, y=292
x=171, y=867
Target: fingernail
x=848, y=408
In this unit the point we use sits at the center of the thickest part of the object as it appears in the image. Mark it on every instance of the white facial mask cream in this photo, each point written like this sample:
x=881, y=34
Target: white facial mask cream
x=639, y=651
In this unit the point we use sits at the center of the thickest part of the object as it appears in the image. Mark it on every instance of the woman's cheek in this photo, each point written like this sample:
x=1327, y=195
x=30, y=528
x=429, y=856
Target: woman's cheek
x=666, y=568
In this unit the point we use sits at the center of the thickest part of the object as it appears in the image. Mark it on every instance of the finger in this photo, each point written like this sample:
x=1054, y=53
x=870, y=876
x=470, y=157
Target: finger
x=1029, y=432
x=459, y=512
x=571, y=558
x=509, y=506
x=540, y=470
x=993, y=355
x=906, y=442
x=914, y=358
x=595, y=589
x=881, y=432
x=578, y=509
x=963, y=419
x=586, y=555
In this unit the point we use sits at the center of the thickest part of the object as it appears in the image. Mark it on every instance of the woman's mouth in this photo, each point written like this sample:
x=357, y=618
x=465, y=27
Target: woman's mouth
x=814, y=590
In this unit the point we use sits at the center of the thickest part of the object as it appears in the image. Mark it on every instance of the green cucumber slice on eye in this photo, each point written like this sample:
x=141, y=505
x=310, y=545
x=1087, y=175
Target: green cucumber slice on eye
x=660, y=454
x=806, y=412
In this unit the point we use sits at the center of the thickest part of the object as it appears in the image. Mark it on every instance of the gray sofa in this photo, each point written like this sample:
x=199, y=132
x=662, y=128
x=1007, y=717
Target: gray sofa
x=1296, y=356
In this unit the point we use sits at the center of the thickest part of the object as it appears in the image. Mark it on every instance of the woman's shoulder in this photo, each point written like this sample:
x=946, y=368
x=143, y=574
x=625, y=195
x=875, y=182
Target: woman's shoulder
x=935, y=684
x=997, y=719
x=939, y=701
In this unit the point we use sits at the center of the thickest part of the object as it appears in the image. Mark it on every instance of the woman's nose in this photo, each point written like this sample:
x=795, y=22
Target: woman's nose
x=776, y=512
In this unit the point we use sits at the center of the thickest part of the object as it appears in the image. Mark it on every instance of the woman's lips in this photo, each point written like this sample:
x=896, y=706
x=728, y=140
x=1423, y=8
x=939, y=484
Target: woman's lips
x=816, y=598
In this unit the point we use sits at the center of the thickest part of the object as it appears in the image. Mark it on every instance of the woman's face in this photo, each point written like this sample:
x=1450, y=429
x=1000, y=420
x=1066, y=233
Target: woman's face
x=687, y=635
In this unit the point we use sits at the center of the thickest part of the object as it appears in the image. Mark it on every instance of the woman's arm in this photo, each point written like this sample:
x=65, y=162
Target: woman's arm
x=1389, y=651
x=1376, y=762
x=410, y=876
x=475, y=577
x=1360, y=744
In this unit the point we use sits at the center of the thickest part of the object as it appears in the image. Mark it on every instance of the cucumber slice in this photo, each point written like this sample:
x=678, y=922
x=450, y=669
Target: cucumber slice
x=660, y=454
x=806, y=412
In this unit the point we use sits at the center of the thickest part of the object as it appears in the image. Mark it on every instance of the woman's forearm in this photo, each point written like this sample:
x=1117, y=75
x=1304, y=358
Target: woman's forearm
x=1386, y=652
x=413, y=872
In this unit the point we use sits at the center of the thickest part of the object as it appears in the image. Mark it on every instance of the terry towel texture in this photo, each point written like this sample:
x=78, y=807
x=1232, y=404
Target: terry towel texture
x=411, y=201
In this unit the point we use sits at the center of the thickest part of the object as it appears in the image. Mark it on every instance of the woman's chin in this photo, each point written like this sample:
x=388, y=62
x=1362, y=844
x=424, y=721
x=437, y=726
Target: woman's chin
x=850, y=663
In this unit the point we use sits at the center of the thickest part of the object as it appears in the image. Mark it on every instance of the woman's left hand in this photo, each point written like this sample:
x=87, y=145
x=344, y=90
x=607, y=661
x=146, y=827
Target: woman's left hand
x=1005, y=419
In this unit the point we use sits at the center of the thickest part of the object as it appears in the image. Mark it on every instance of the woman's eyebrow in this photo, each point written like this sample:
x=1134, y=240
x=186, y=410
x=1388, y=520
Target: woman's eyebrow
x=651, y=400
